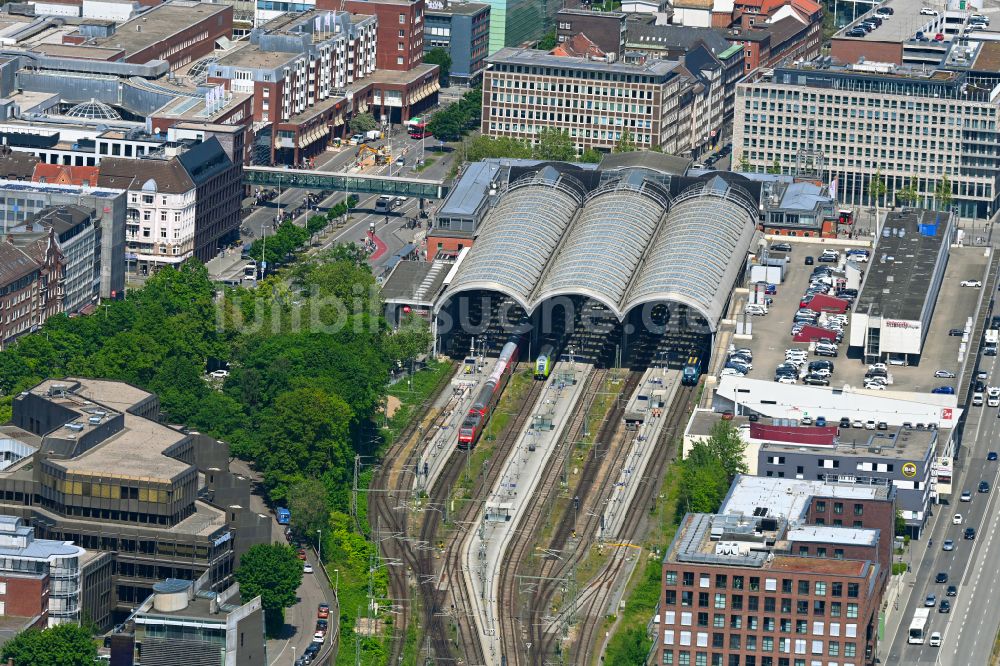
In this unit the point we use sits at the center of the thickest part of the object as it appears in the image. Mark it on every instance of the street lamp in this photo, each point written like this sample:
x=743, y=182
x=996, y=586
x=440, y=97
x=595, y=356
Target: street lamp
x=336, y=585
x=319, y=546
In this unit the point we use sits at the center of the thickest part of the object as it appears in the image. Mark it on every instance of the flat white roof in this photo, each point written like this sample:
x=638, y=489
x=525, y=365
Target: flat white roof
x=827, y=534
x=787, y=498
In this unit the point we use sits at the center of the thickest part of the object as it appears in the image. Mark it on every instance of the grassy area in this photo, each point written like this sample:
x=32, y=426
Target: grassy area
x=427, y=162
x=995, y=654
x=413, y=394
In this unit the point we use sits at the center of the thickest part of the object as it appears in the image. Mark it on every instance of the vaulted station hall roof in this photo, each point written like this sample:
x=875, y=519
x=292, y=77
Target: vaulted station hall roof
x=624, y=243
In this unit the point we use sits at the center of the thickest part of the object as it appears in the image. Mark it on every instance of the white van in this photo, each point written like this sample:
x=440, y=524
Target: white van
x=935, y=639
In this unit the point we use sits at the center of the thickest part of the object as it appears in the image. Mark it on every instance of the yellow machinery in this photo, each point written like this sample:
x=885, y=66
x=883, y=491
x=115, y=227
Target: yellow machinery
x=380, y=155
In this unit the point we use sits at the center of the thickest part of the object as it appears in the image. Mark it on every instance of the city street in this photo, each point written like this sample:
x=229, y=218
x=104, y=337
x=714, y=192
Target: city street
x=973, y=566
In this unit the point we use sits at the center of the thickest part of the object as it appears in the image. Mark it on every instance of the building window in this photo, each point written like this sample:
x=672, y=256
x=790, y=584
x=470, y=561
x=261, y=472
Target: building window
x=671, y=578
x=852, y=590
x=720, y=601
x=852, y=610
x=688, y=578
x=820, y=506
x=859, y=509
x=838, y=508
x=402, y=19
x=803, y=587
x=399, y=60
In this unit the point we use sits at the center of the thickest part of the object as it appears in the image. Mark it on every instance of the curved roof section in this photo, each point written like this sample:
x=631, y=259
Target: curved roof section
x=522, y=233
x=698, y=252
x=606, y=243
x=94, y=110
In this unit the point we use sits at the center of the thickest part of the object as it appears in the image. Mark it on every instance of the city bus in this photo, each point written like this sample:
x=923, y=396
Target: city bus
x=284, y=515
x=918, y=628
x=417, y=128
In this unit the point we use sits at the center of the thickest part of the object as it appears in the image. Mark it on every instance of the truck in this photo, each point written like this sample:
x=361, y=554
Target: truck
x=373, y=135
x=992, y=336
x=284, y=515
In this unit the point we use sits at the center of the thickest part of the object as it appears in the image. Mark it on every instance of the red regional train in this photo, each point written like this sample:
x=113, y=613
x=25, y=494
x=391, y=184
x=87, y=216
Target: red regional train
x=479, y=414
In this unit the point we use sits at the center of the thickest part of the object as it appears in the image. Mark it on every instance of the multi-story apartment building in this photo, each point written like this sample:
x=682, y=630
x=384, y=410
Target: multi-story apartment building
x=21, y=201
x=171, y=510
x=30, y=286
x=908, y=124
x=462, y=29
x=299, y=69
x=789, y=571
x=597, y=102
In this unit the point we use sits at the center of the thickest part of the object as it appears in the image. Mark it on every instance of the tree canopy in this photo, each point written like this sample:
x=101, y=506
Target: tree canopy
x=548, y=42
x=363, y=122
x=555, y=144
x=440, y=57
x=709, y=468
x=454, y=120
x=61, y=645
x=625, y=143
x=273, y=572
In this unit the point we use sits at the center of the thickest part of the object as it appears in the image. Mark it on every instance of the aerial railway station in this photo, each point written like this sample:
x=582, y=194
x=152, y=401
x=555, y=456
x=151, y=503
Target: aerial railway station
x=627, y=266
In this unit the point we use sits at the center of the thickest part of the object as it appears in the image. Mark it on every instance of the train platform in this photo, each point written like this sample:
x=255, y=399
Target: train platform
x=442, y=439
x=508, y=500
x=659, y=385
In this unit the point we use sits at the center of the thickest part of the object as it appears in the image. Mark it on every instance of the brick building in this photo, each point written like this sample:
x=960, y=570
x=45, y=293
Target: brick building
x=400, y=29
x=179, y=31
x=787, y=571
x=30, y=286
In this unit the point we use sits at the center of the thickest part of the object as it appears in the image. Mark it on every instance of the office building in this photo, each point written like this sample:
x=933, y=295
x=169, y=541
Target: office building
x=774, y=577
x=606, y=29
x=22, y=201
x=520, y=22
x=462, y=29
x=595, y=101
x=178, y=31
x=181, y=203
x=892, y=315
x=173, y=511
x=209, y=627
x=77, y=238
x=41, y=576
x=907, y=123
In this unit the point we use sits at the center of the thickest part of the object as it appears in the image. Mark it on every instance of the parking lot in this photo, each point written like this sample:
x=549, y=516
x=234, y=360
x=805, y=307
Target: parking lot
x=772, y=332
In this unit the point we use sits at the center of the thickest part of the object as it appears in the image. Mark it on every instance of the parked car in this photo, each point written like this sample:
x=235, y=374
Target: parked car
x=323, y=611
x=781, y=247
x=927, y=11
x=809, y=261
x=956, y=332
x=219, y=374
x=944, y=374
x=944, y=390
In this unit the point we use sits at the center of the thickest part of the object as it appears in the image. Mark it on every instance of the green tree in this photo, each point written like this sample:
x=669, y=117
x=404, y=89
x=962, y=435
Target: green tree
x=876, y=190
x=440, y=57
x=272, y=572
x=548, y=42
x=702, y=487
x=317, y=223
x=632, y=648
x=411, y=339
x=447, y=124
x=591, y=156
x=728, y=447
x=775, y=167
x=744, y=164
x=900, y=524
x=625, y=143
x=554, y=144
x=910, y=194
x=942, y=193
x=309, y=504
x=363, y=122
x=61, y=645
x=484, y=147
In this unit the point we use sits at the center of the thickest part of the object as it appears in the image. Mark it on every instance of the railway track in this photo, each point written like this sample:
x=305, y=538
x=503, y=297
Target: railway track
x=517, y=633
x=599, y=592
x=556, y=571
x=422, y=561
x=382, y=513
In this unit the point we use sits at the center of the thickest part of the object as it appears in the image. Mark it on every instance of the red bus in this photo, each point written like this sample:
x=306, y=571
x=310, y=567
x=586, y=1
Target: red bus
x=418, y=130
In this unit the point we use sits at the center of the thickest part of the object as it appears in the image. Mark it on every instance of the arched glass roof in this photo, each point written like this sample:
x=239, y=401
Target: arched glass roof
x=94, y=110
x=606, y=243
x=699, y=251
x=520, y=235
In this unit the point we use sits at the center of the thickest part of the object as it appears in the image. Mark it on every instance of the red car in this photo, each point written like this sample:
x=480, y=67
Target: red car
x=302, y=554
x=324, y=611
